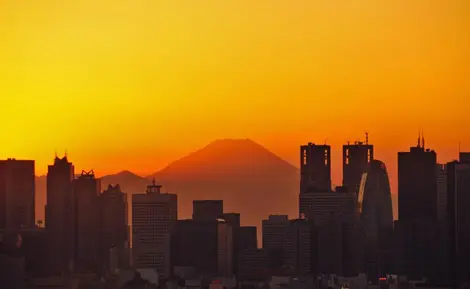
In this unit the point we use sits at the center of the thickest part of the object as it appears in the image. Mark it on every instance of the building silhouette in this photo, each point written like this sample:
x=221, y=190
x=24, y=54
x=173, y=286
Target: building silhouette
x=114, y=226
x=298, y=246
x=418, y=214
x=60, y=213
x=87, y=223
x=356, y=159
x=315, y=168
x=375, y=208
x=458, y=221
x=207, y=210
x=17, y=187
x=154, y=215
x=274, y=230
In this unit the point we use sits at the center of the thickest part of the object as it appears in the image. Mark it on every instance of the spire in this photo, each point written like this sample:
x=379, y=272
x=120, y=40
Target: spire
x=419, y=138
x=422, y=138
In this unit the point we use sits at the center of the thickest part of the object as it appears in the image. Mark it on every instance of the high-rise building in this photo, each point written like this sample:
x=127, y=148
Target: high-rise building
x=153, y=217
x=87, y=226
x=418, y=212
x=17, y=185
x=207, y=210
x=462, y=217
x=114, y=232
x=274, y=231
x=356, y=158
x=206, y=246
x=335, y=218
x=315, y=168
x=298, y=245
x=60, y=215
x=375, y=208
x=417, y=184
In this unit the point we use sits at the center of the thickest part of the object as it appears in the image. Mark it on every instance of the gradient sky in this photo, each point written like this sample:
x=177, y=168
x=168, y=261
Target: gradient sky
x=129, y=84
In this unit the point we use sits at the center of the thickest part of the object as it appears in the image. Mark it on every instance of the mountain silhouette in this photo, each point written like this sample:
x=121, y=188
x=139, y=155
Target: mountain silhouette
x=128, y=181
x=249, y=179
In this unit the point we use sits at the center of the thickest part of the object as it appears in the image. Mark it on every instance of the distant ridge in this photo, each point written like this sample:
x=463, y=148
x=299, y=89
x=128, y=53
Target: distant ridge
x=249, y=178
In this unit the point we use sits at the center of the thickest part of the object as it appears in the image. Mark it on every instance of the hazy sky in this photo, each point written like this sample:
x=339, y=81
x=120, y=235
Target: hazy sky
x=128, y=84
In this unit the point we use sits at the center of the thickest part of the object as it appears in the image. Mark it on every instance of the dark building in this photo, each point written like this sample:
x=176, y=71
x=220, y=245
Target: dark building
x=298, y=246
x=247, y=238
x=375, y=208
x=417, y=184
x=418, y=214
x=114, y=231
x=60, y=215
x=315, y=168
x=337, y=236
x=459, y=216
x=17, y=185
x=87, y=223
x=274, y=231
x=356, y=159
x=12, y=262
x=204, y=245
x=253, y=264
x=207, y=210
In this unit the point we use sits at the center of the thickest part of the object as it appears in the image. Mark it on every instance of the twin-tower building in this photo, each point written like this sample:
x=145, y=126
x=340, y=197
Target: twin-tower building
x=352, y=222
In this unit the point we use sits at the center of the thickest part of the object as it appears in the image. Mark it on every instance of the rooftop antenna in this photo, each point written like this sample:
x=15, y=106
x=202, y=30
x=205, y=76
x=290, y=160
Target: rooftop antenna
x=55, y=153
x=65, y=154
x=326, y=141
x=419, y=138
x=367, y=138
x=422, y=137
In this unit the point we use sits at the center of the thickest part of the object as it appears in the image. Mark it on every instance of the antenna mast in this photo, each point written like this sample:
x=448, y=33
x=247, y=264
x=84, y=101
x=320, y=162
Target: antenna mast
x=367, y=138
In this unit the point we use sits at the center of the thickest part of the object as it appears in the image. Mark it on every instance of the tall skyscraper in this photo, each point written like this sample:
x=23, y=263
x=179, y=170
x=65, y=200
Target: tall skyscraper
x=87, y=224
x=417, y=183
x=375, y=208
x=315, y=168
x=207, y=210
x=441, y=173
x=17, y=187
x=153, y=216
x=356, y=159
x=418, y=214
x=60, y=213
x=114, y=231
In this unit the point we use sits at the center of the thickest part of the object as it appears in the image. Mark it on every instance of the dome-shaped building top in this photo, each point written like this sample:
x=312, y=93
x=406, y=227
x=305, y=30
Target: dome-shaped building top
x=375, y=207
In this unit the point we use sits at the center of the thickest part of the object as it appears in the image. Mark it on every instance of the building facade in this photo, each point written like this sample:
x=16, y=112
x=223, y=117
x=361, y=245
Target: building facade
x=17, y=188
x=154, y=215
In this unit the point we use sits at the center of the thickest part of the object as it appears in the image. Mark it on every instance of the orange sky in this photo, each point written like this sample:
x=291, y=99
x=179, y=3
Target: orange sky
x=129, y=84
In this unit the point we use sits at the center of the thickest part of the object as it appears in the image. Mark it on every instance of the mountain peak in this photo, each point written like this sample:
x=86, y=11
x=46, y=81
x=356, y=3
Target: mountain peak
x=228, y=157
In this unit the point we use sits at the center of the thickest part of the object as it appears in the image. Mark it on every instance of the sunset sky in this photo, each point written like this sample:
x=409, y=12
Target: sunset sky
x=129, y=84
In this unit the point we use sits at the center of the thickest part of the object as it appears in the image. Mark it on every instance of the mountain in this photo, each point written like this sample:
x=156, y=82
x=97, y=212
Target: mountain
x=249, y=179
x=128, y=181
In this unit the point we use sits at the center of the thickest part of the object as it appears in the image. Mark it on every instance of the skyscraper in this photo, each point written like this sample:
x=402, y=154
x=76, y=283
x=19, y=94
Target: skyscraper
x=356, y=158
x=17, y=185
x=207, y=210
x=375, y=207
x=114, y=231
x=315, y=168
x=153, y=217
x=87, y=225
x=60, y=213
x=298, y=245
x=417, y=184
x=418, y=214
